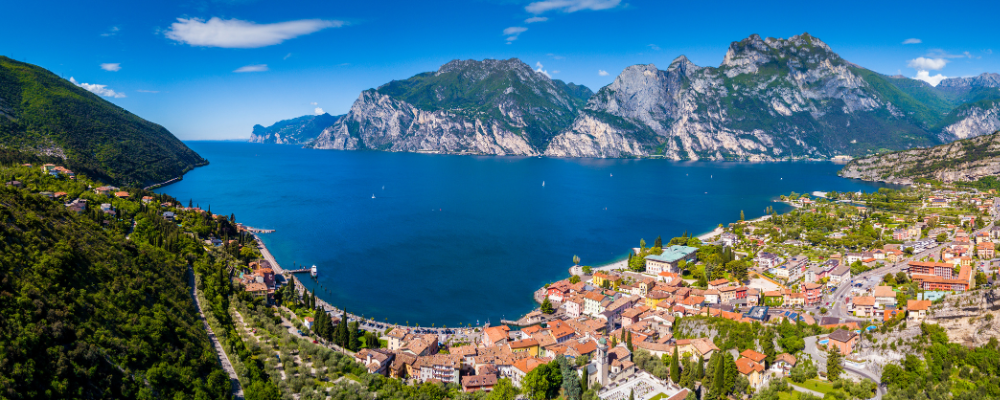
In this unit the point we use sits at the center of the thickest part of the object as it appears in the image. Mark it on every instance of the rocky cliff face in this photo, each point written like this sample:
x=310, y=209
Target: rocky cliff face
x=980, y=119
x=299, y=131
x=963, y=160
x=987, y=79
x=500, y=107
x=770, y=99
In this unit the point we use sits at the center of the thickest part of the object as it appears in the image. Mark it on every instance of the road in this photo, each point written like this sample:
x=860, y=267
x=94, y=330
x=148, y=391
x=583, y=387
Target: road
x=220, y=353
x=819, y=359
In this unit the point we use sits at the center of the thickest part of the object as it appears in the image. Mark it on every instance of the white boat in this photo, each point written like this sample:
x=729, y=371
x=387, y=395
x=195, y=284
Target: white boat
x=543, y=183
x=373, y=195
x=312, y=271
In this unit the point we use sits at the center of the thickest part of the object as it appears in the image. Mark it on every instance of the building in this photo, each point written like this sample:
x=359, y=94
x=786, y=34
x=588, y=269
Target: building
x=839, y=275
x=863, y=306
x=767, y=260
x=813, y=292
x=475, y=383
x=985, y=250
x=495, y=335
x=754, y=372
x=442, y=367
x=946, y=281
x=843, y=340
x=529, y=345
x=916, y=310
x=884, y=296
x=669, y=260
x=784, y=362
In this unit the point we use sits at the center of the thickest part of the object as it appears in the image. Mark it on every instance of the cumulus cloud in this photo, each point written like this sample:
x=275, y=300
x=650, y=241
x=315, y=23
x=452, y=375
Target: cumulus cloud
x=252, y=68
x=100, y=90
x=653, y=46
x=319, y=111
x=912, y=41
x=238, y=34
x=535, y=19
x=926, y=77
x=927, y=64
x=113, y=67
x=540, y=69
x=570, y=6
x=513, y=32
x=602, y=72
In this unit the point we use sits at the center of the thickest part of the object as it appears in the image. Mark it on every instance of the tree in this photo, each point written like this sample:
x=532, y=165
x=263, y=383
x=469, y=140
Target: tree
x=642, y=244
x=742, y=217
x=942, y=237
x=576, y=259
x=902, y=278
x=658, y=242
x=547, y=307
x=628, y=340
x=574, y=280
x=354, y=343
x=834, y=367
x=543, y=382
x=503, y=390
x=587, y=270
x=675, y=367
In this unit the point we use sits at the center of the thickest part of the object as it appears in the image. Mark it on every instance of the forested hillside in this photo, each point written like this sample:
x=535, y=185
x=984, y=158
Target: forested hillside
x=89, y=314
x=41, y=113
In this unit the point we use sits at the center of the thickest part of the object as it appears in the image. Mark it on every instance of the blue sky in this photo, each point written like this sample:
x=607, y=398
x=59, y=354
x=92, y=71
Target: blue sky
x=176, y=63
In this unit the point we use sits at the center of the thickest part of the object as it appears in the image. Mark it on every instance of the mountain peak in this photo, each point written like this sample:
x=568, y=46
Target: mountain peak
x=747, y=54
x=986, y=79
x=682, y=63
x=488, y=65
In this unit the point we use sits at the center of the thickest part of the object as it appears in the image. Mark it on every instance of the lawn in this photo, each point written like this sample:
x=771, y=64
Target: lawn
x=816, y=385
x=659, y=396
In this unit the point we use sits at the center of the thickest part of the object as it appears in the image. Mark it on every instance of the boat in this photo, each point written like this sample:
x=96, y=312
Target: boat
x=543, y=183
x=373, y=195
x=312, y=271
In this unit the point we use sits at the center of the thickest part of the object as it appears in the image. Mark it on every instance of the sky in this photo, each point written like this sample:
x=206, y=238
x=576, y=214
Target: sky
x=211, y=69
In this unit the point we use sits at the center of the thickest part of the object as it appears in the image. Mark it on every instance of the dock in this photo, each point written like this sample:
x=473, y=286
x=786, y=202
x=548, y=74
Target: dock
x=298, y=271
x=259, y=230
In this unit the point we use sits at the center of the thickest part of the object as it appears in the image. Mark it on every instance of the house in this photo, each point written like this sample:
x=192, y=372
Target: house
x=700, y=347
x=767, y=260
x=523, y=366
x=901, y=234
x=916, y=310
x=669, y=260
x=442, y=367
x=843, y=340
x=601, y=279
x=863, y=306
x=475, y=383
x=593, y=303
x=754, y=372
x=711, y=296
x=784, y=362
x=396, y=338
x=529, y=345
x=985, y=250
x=728, y=239
x=495, y=335
x=884, y=296
x=121, y=194
x=16, y=184
x=169, y=215
x=945, y=280
x=147, y=199
x=721, y=282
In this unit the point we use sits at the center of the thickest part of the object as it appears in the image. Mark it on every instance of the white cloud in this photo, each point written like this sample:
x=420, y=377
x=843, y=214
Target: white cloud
x=540, y=70
x=535, y=19
x=602, y=72
x=234, y=33
x=926, y=77
x=147, y=91
x=111, y=32
x=912, y=41
x=555, y=56
x=314, y=103
x=555, y=72
x=113, y=67
x=653, y=46
x=927, y=64
x=286, y=56
x=100, y=90
x=252, y=68
x=569, y=6
x=319, y=111
x=513, y=32
x=988, y=51
x=939, y=53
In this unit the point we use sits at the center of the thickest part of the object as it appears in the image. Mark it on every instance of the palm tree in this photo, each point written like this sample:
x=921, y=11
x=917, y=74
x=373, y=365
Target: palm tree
x=576, y=259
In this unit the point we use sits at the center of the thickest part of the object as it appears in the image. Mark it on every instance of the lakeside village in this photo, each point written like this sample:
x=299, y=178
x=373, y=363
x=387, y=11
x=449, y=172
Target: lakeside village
x=828, y=300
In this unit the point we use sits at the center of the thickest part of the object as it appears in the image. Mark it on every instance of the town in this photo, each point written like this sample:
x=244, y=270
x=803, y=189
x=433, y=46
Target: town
x=805, y=304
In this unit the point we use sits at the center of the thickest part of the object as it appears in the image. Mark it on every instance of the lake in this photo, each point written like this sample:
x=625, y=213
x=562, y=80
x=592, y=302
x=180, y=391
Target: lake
x=424, y=238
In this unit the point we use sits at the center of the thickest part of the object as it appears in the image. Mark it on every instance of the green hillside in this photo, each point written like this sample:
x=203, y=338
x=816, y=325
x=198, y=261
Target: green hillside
x=89, y=314
x=41, y=111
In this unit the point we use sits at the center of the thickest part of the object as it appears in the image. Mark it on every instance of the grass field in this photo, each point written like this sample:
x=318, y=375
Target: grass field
x=816, y=385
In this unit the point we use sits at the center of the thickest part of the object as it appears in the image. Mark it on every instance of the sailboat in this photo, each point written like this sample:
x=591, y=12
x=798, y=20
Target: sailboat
x=543, y=183
x=373, y=195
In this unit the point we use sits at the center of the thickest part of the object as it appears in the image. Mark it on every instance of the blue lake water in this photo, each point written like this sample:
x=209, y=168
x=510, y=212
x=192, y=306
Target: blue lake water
x=459, y=239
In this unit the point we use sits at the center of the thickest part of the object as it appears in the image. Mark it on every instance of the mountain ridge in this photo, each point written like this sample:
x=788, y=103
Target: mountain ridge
x=43, y=114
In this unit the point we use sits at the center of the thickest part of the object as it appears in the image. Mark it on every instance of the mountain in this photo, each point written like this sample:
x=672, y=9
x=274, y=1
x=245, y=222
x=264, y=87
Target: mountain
x=41, y=113
x=500, y=107
x=301, y=131
x=961, y=160
x=769, y=99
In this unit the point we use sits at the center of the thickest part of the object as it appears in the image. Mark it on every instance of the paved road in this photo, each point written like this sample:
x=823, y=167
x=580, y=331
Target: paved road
x=223, y=358
x=804, y=390
x=819, y=359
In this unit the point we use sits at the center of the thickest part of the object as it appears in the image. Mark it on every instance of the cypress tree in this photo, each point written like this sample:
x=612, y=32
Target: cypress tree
x=719, y=381
x=675, y=367
x=628, y=341
x=699, y=371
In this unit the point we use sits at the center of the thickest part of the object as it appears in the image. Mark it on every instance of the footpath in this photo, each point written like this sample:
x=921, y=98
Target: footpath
x=219, y=351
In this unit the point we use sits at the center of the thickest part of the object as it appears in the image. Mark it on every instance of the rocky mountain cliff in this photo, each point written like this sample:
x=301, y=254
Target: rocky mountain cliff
x=962, y=160
x=301, y=131
x=500, y=107
x=770, y=99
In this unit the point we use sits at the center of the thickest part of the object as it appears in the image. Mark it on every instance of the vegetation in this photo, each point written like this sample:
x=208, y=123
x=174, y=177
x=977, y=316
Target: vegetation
x=40, y=111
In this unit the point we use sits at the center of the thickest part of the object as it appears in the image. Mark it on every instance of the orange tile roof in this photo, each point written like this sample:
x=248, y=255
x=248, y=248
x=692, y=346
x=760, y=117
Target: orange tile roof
x=918, y=305
x=746, y=366
x=753, y=355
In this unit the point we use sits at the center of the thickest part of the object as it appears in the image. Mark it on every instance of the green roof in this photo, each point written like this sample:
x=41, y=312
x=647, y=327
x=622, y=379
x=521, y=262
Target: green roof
x=673, y=253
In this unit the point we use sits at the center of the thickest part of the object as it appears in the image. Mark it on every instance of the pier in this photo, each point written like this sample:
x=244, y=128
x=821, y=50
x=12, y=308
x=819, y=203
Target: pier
x=259, y=230
x=298, y=271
